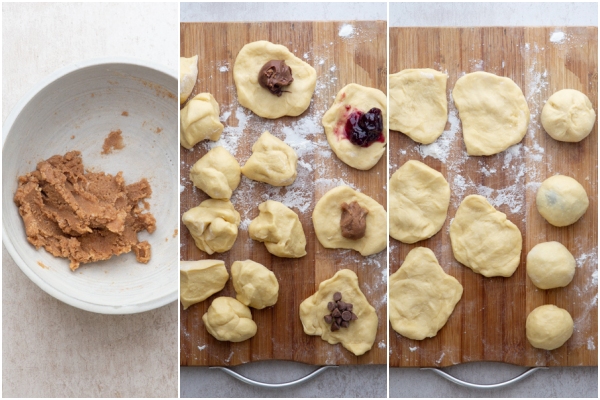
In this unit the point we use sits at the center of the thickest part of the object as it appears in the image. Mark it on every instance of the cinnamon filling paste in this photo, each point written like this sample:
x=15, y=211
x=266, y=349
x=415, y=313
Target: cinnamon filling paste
x=354, y=221
x=85, y=217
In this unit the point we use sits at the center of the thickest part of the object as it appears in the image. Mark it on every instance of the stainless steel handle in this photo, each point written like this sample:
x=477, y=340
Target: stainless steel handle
x=249, y=381
x=459, y=382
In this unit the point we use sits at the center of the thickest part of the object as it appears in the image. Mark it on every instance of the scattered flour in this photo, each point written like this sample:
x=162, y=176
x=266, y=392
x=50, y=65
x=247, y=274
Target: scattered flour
x=346, y=31
x=413, y=349
x=557, y=37
x=224, y=69
x=381, y=344
x=201, y=348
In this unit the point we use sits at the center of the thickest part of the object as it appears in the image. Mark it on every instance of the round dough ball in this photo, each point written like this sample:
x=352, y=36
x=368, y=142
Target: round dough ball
x=198, y=280
x=419, y=200
x=568, y=116
x=493, y=112
x=550, y=265
x=353, y=98
x=272, y=161
x=549, y=327
x=217, y=173
x=296, y=97
x=280, y=229
x=213, y=225
x=484, y=240
x=418, y=104
x=200, y=121
x=561, y=200
x=255, y=285
x=229, y=320
x=188, y=73
x=328, y=213
x=422, y=295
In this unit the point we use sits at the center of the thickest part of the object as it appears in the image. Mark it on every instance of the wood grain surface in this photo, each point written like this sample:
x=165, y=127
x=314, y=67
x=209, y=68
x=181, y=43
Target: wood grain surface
x=489, y=321
x=360, y=58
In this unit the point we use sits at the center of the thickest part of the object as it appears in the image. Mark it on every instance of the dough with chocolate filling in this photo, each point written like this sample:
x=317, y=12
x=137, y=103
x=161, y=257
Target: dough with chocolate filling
x=280, y=229
x=229, y=320
x=198, y=280
x=84, y=217
x=217, y=173
x=255, y=285
x=274, y=76
x=188, y=73
x=561, y=200
x=327, y=217
x=199, y=120
x=353, y=221
x=213, y=225
x=272, y=162
x=360, y=334
x=295, y=98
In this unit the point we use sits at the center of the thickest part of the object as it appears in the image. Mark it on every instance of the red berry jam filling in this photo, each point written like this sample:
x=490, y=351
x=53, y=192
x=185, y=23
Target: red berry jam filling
x=363, y=129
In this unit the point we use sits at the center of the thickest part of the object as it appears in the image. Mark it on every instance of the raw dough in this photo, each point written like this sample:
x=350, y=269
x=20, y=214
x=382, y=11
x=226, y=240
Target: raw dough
x=568, y=116
x=85, y=217
x=419, y=199
x=198, y=280
x=418, y=104
x=351, y=98
x=328, y=213
x=484, y=240
x=200, y=120
x=213, y=225
x=550, y=265
x=272, y=161
x=229, y=320
x=280, y=229
x=493, y=112
x=549, y=327
x=422, y=295
x=561, y=200
x=360, y=335
x=255, y=285
x=296, y=98
x=188, y=73
x=217, y=173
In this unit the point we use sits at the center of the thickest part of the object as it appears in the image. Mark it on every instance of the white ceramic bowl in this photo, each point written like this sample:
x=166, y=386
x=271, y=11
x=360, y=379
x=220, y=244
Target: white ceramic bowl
x=86, y=101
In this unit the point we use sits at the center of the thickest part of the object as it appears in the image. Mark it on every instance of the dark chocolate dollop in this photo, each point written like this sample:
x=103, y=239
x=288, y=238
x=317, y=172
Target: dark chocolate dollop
x=274, y=76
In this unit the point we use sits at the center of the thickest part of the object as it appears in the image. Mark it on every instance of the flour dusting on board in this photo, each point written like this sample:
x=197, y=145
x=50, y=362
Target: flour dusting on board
x=346, y=31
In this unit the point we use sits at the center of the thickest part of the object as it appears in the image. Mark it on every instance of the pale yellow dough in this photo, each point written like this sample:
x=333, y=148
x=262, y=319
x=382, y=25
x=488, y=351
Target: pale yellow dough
x=568, y=116
x=229, y=320
x=360, y=335
x=549, y=327
x=213, y=225
x=328, y=213
x=360, y=98
x=272, y=162
x=217, y=173
x=550, y=265
x=493, y=112
x=484, y=240
x=418, y=104
x=561, y=200
x=199, y=120
x=255, y=285
x=419, y=200
x=198, y=280
x=280, y=229
x=296, y=98
x=422, y=295
x=188, y=73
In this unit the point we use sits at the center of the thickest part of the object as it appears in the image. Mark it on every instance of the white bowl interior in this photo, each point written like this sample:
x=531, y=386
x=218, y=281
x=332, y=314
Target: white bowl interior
x=76, y=112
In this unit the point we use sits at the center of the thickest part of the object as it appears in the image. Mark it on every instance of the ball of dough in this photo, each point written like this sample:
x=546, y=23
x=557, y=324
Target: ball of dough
x=550, y=265
x=493, y=112
x=272, y=161
x=328, y=213
x=213, y=225
x=360, y=335
x=198, y=280
x=350, y=99
x=418, y=104
x=549, y=327
x=217, y=173
x=188, y=73
x=296, y=97
x=568, y=116
x=229, y=320
x=419, y=200
x=255, y=285
x=561, y=200
x=200, y=121
x=280, y=229
x=422, y=295
x=484, y=240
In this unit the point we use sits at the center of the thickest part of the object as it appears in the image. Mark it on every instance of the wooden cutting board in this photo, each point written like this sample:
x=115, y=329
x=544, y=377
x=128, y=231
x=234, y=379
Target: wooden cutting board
x=338, y=60
x=489, y=321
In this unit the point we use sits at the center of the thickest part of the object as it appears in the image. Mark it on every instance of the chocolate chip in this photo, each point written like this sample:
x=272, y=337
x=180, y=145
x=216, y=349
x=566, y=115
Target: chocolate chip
x=338, y=320
x=337, y=296
x=328, y=319
x=354, y=317
x=349, y=306
x=345, y=324
x=330, y=306
x=346, y=315
x=335, y=327
x=336, y=313
x=341, y=305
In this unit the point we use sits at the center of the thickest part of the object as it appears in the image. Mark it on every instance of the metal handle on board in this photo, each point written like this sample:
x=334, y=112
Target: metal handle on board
x=459, y=382
x=249, y=381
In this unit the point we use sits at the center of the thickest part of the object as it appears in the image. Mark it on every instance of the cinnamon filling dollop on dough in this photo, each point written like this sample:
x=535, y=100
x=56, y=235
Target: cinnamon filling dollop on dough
x=353, y=221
